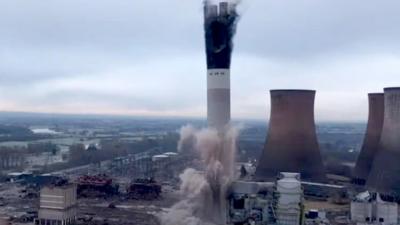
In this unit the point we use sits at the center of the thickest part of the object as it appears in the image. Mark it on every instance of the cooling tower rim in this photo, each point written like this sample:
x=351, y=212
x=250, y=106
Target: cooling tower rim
x=376, y=94
x=292, y=91
x=392, y=89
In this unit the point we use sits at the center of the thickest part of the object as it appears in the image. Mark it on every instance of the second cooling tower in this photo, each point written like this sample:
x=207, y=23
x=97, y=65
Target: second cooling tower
x=385, y=173
x=371, y=139
x=291, y=144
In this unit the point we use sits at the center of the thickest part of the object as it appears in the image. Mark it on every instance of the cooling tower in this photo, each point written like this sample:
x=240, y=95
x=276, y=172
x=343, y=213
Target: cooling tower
x=219, y=27
x=291, y=144
x=385, y=173
x=371, y=138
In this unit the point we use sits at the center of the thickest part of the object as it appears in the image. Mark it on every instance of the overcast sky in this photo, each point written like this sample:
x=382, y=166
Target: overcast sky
x=147, y=57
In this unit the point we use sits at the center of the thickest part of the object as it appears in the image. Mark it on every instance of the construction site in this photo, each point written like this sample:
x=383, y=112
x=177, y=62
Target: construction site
x=96, y=194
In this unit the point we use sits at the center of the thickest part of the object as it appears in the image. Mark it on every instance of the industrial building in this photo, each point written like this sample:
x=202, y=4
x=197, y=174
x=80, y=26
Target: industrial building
x=96, y=186
x=316, y=217
x=324, y=191
x=369, y=209
x=289, y=204
x=291, y=143
x=250, y=202
x=147, y=189
x=371, y=138
x=384, y=177
x=57, y=205
x=163, y=165
x=260, y=203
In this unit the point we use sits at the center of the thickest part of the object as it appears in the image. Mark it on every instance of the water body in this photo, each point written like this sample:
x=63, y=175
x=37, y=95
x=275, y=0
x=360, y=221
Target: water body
x=44, y=131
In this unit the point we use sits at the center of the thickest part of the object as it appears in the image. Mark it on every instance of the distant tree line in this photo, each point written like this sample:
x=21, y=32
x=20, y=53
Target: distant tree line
x=14, y=157
x=112, y=148
x=18, y=133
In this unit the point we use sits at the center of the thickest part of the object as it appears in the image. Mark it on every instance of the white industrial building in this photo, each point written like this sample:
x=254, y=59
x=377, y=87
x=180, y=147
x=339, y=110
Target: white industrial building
x=57, y=205
x=289, y=207
x=250, y=203
x=262, y=203
x=369, y=208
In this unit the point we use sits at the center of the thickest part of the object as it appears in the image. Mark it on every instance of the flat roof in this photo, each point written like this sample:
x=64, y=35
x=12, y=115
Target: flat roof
x=322, y=184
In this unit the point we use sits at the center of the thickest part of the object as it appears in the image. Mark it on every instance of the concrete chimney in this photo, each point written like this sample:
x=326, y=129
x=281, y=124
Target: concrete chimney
x=223, y=8
x=291, y=144
x=371, y=138
x=210, y=11
x=219, y=27
x=385, y=173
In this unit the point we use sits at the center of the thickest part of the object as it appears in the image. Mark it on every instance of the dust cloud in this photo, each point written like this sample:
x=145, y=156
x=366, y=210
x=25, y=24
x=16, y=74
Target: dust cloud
x=203, y=193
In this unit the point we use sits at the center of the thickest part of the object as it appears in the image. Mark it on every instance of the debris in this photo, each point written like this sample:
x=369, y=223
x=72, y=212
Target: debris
x=144, y=189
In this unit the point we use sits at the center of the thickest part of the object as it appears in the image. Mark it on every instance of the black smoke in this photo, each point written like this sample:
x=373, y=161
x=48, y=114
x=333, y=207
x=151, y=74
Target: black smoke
x=220, y=27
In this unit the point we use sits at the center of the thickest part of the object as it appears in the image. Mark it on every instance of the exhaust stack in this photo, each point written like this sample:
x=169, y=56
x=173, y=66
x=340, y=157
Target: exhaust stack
x=291, y=144
x=220, y=27
x=371, y=138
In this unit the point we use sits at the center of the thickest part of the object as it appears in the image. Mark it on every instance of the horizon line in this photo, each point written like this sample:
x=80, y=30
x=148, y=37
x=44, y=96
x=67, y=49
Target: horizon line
x=169, y=117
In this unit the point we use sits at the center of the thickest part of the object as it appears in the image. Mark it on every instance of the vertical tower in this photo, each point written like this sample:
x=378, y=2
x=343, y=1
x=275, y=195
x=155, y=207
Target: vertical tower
x=385, y=172
x=291, y=144
x=371, y=138
x=219, y=26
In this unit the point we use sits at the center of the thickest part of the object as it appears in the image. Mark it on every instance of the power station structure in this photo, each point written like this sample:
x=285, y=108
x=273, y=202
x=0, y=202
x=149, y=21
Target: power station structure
x=371, y=138
x=384, y=177
x=219, y=26
x=291, y=144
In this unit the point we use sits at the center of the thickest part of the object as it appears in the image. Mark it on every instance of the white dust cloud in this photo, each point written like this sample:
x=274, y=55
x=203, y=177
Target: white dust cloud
x=203, y=193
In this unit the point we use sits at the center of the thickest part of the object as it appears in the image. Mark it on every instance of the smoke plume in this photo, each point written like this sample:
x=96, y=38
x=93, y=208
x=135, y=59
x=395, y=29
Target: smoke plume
x=203, y=193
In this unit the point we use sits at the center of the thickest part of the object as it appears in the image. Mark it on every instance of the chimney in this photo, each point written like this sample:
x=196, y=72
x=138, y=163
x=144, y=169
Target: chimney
x=219, y=31
x=223, y=8
x=291, y=144
x=210, y=11
x=371, y=138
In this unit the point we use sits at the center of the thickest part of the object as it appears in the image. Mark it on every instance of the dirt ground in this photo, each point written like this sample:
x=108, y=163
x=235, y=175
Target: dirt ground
x=92, y=211
x=126, y=212
x=325, y=205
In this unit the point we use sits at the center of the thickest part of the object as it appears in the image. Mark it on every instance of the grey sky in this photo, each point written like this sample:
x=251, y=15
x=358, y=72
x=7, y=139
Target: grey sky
x=147, y=57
